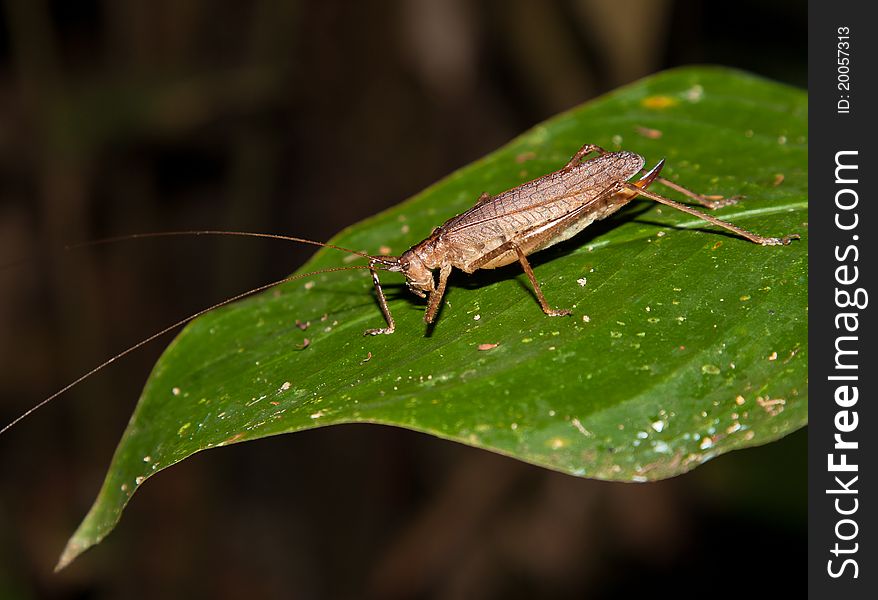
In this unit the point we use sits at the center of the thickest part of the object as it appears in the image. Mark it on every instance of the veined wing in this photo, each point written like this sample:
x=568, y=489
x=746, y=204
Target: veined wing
x=552, y=195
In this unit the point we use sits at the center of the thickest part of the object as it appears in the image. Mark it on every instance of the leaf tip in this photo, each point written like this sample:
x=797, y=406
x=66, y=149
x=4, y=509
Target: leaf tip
x=73, y=549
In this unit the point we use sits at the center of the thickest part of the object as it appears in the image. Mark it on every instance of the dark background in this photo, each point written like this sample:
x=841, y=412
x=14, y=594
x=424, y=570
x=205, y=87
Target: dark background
x=301, y=118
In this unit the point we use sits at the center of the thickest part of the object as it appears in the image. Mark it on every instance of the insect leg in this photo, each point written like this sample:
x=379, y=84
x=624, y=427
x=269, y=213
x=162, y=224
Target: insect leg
x=753, y=237
x=513, y=247
x=382, y=302
x=583, y=152
x=436, y=295
x=533, y=280
x=709, y=201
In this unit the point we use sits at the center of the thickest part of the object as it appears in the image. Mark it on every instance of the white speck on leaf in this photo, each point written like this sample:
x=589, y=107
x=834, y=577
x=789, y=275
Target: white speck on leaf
x=695, y=93
x=578, y=424
x=557, y=443
x=773, y=406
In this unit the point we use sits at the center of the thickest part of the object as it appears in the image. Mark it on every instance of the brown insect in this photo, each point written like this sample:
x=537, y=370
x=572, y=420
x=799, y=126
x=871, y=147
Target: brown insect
x=500, y=230
x=497, y=231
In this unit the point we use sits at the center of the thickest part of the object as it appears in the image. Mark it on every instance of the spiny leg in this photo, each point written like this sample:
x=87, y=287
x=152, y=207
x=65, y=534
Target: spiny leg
x=709, y=201
x=753, y=237
x=382, y=302
x=436, y=295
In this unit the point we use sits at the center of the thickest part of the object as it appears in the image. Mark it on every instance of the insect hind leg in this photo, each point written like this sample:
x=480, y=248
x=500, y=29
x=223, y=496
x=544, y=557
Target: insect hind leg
x=749, y=235
x=583, y=152
x=710, y=201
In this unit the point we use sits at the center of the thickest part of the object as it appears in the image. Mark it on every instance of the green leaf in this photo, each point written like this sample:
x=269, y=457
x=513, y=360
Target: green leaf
x=686, y=341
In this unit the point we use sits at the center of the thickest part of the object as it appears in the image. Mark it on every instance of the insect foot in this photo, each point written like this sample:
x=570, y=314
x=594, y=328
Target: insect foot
x=379, y=331
x=784, y=241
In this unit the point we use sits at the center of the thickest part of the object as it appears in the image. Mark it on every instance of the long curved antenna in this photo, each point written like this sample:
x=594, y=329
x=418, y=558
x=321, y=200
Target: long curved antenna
x=140, y=236
x=167, y=329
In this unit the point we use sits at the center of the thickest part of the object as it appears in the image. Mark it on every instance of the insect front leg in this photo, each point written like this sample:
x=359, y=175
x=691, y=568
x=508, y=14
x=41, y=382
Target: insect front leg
x=437, y=294
x=382, y=302
x=753, y=237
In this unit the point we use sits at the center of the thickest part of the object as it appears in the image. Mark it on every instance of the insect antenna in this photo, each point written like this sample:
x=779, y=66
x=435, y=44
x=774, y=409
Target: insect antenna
x=10, y=264
x=159, y=234
x=182, y=322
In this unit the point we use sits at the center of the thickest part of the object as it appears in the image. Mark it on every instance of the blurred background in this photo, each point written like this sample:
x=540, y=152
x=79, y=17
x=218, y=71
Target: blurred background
x=302, y=117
